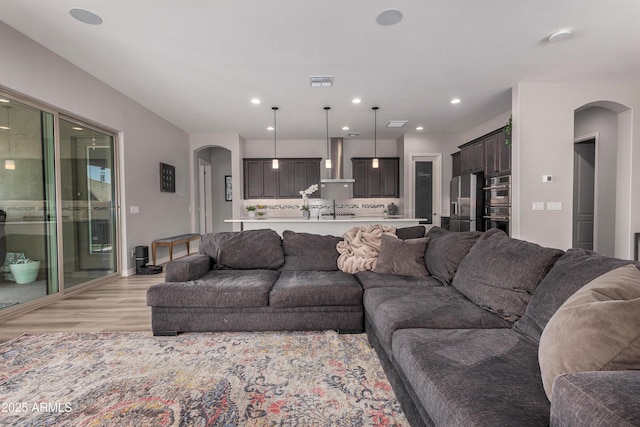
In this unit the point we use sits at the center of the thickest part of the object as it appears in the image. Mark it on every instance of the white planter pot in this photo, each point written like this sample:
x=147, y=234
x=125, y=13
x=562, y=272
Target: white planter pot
x=25, y=273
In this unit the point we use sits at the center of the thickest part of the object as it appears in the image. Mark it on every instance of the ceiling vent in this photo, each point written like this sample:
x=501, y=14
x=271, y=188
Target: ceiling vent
x=321, y=81
x=397, y=123
x=352, y=134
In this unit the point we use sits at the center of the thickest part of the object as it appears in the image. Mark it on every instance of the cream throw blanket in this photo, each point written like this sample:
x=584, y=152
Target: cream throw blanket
x=359, y=249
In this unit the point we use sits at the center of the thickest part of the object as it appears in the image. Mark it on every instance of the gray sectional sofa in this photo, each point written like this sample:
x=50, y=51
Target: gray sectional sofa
x=461, y=337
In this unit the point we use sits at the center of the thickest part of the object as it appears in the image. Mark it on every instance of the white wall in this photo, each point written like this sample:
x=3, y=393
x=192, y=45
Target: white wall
x=235, y=144
x=543, y=134
x=145, y=139
x=602, y=123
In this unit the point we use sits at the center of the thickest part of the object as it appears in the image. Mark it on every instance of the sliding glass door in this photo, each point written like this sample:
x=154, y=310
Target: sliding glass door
x=88, y=202
x=58, y=222
x=28, y=237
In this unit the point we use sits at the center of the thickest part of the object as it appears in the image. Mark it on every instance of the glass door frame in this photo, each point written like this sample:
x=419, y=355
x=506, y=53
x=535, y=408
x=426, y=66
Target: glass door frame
x=115, y=205
x=119, y=259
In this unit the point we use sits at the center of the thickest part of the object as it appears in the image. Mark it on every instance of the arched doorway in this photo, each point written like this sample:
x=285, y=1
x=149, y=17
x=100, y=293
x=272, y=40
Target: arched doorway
x=213, y=201
x=598, y=135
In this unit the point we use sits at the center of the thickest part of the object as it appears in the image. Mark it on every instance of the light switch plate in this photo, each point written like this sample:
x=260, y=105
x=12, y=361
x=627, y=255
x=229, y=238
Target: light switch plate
x=547, y=178
x=134, y=209
x=538, y=206
x=554, y=206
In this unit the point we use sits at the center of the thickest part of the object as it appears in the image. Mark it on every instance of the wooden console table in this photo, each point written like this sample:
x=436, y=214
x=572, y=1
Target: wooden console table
x=171, y=242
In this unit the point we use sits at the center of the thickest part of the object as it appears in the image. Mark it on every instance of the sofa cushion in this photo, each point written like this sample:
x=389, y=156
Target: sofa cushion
x=402, y=257
x=412, y=232
x=445, y=251
x=573, y=270
x=188, y=268
x=251, y=249
x=473, y=377
x=597, y=328
x=391, y=309
x=305, y=251
x=217, y=288
x=371, y=279
x=596, y=399
x=315, y=288
x=501, y=273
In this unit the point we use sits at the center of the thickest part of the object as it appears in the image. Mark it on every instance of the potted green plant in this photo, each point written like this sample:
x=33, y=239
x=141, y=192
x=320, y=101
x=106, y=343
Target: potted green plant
x=251, y=211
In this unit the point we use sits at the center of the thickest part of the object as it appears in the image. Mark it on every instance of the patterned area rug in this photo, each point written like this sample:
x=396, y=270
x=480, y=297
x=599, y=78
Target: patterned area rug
x=196, y=379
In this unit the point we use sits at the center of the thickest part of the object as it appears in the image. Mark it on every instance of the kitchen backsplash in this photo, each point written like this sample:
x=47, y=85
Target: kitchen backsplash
x=291, y=207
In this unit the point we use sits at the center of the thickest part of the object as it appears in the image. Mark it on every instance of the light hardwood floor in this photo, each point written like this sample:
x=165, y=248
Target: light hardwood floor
x=118, y=305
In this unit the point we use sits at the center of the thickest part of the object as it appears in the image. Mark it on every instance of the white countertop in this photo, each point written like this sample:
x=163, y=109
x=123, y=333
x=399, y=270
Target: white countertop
x=328, y=219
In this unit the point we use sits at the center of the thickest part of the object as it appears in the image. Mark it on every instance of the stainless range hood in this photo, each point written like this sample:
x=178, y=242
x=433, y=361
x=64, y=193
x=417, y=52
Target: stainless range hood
x=337, y=162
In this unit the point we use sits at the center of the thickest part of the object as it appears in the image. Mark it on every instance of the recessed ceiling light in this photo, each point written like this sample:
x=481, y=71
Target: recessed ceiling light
x=4, y=100
x=5, y=127
x=255, y=101
x=270, y=128
x=559, y=35
x=419, y=128
x=345, y=127
x=356, y=100
x=456, y=101
x=389, y=17
x=85, y=16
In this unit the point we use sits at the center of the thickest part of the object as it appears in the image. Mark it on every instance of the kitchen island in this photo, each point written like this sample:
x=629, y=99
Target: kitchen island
x=324, y=225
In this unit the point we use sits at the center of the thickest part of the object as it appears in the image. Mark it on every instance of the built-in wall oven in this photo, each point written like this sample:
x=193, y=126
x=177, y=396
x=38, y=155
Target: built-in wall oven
x=497, y=197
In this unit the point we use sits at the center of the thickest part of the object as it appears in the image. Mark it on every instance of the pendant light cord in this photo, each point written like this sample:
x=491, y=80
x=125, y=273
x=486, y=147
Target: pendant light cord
x=375, y=132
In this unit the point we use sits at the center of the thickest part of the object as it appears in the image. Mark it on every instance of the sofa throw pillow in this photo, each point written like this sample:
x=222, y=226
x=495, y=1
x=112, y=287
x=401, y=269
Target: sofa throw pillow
x=402, y=257
x=413, y=232
x=596, y=329
x=445, y=251
x=574, y=269
x=500, y=273
x=309, y=252
x=251, y=249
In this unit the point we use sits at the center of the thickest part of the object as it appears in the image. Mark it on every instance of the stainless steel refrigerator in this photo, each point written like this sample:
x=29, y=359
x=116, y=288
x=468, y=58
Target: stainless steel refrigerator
x=467, y=203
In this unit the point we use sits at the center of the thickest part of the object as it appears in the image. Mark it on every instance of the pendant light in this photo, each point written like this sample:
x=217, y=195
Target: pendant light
x=327, y=163
x=274, y=162
x=375, y=163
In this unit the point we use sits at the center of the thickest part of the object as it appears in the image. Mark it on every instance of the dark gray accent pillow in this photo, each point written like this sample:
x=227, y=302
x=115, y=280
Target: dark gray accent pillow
x=402, y=257
x=309, y=252
x=572, y=271
x=445, y=251
x=251, y=249
x=413, y=232
x=500, y=273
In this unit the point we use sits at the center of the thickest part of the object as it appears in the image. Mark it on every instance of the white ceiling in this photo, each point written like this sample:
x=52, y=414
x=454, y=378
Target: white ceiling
x=198, y=63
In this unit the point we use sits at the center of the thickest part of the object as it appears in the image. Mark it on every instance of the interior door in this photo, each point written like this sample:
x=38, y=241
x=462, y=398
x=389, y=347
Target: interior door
x=423, y=180
x=583, y=194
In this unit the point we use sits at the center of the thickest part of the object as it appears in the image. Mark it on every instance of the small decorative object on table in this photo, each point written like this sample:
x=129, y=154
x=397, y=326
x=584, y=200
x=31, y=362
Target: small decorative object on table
x=261, y=211
x=251, y=211
x=306, y=214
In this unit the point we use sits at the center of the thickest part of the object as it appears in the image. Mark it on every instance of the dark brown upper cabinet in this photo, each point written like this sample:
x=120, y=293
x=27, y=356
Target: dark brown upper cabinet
x=488, y=154
x=261, y=181
x=381, y=182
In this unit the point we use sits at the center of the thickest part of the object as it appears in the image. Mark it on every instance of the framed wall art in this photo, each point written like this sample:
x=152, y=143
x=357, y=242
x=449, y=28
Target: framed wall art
x=228, y=191
x=167, y=178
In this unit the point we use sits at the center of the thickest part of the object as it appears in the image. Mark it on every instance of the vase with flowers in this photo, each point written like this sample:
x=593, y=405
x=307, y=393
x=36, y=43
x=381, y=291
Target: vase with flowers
x=306, y=213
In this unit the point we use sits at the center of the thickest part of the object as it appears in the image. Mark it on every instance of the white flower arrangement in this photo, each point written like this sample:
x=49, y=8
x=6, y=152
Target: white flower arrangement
x=305, y=195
